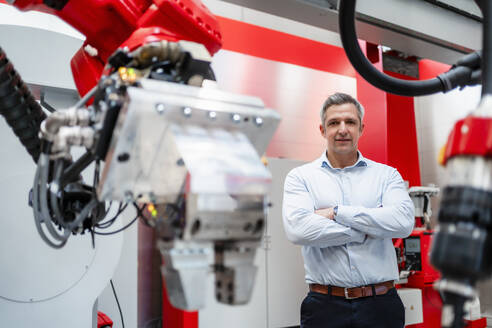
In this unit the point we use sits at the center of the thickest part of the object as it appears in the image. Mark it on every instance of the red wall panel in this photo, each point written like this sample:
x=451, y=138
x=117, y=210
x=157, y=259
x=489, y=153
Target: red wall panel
x=374, y=141
x=402, y=135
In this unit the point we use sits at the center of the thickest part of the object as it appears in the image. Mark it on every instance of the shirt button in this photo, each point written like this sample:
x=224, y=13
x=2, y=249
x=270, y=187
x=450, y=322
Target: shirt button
x=353, y=268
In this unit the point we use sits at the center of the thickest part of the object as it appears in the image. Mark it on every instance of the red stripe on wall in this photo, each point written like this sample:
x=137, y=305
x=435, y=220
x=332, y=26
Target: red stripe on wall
x=278, y=46
x=374, y=141
x=403, y=150
x=429, y=69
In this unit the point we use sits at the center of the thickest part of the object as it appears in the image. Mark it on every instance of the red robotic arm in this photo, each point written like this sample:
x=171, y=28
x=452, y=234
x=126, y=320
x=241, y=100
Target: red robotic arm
x=112, y=24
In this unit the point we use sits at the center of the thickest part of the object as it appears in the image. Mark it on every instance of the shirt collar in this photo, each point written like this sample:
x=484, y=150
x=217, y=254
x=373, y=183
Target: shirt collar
x=325, y=163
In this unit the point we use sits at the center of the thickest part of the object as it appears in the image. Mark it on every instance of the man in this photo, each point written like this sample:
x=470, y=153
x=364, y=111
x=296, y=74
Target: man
x=344, y=210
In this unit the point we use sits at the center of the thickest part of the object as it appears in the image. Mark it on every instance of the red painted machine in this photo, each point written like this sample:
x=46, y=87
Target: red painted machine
x=103, y=321
x=415, y=268
x=127, y=24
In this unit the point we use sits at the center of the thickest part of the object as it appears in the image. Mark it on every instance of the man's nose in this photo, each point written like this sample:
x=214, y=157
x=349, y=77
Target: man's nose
x=342, y=128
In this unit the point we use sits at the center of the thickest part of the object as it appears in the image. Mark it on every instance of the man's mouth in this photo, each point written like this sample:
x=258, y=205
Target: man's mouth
x=343, y=140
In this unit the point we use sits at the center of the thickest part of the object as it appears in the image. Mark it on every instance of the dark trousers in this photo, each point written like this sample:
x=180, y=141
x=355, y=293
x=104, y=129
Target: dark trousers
x=327, y=311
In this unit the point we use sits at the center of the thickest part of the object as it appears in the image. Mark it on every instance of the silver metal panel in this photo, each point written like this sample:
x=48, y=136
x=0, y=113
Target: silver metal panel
x=224, y=217
x=221, y=161
x=167, y=130
x=224, y=104
x=414, y=27
x=185, y=270
x=280, y=286
x=235, y=272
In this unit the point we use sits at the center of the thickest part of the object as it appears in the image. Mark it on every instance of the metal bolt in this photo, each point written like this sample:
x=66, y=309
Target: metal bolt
x=187, y=111
x=128, y=196
x=212, y=115
x=259, y=121
x=476, y=234
x=236, y=118
x=160, y=108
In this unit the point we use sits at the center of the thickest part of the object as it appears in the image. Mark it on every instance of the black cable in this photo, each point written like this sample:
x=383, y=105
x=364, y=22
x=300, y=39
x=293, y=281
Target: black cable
x=110, y=222
x=116, y=231
x=460, y=75
x=142, y=216
x=19, y=108
x=486, y=7
x=367, y=70
x=117, y=302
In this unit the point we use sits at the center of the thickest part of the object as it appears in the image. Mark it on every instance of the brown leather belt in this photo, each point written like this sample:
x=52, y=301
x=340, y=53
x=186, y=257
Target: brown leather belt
x=355, y=292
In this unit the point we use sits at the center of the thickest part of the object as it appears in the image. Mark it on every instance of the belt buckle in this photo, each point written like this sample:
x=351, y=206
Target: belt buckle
x=345, y=291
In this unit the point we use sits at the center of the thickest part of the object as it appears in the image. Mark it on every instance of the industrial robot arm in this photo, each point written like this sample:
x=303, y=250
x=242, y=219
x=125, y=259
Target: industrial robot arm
x=188, y=158
x=127, y=25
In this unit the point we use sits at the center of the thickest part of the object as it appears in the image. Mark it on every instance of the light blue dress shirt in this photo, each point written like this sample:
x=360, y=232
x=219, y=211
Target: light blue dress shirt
x=356, y=248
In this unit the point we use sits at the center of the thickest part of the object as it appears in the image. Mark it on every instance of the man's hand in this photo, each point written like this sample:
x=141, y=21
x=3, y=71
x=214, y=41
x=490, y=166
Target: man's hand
x=326, y=212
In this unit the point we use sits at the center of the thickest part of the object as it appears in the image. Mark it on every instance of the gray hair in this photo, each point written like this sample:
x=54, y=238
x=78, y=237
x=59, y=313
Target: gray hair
x=340, y=99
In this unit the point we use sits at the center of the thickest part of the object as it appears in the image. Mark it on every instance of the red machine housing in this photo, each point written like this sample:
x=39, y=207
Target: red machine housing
x=427, y=275
x=423, y=276
x=112, y=24
x=103, y=321
x=470, y=136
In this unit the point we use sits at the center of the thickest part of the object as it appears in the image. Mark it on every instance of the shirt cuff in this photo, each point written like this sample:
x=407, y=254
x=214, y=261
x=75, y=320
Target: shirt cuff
x=346, y=215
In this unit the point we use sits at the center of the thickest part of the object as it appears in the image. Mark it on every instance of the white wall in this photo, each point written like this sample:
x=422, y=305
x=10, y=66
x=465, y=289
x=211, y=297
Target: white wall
x=435, y=116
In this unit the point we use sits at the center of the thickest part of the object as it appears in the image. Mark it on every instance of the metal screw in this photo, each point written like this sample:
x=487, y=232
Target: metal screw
x=259, y=121
x=153, y=198
x=236, y=118
x=212, y=115
x=476, y=234
x=187, y=111
x=128, y=196
x=160, y=108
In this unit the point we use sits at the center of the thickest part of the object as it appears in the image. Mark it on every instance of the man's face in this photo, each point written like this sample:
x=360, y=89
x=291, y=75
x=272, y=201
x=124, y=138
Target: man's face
x=342, y=129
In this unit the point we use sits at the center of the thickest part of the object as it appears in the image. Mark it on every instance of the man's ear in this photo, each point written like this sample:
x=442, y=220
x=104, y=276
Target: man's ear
x=362, y=128
x=322, y=130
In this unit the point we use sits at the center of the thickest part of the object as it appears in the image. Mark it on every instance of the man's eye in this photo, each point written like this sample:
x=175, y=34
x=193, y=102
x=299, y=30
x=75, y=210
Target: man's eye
x=332, y=123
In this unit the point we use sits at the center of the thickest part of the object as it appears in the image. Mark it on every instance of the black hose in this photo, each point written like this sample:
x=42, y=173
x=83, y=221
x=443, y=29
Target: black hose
x=19, y=108
x=487, y=48
x=460, y=75
x=367, y=70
